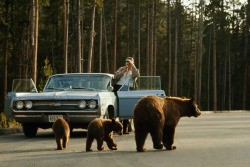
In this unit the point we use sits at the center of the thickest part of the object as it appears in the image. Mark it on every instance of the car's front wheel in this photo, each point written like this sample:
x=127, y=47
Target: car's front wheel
x=29, y=130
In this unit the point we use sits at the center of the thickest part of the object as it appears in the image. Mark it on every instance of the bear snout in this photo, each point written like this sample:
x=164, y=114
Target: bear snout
x=198, y=113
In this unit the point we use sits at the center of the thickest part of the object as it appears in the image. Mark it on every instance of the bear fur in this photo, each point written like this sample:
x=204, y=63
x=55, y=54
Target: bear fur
x=159, y=117
x=62, y=133
x=101, y=130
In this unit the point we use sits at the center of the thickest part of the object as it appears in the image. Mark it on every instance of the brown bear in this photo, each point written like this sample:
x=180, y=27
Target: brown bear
x=101, y=130
x=62, y=133
x=159, y=117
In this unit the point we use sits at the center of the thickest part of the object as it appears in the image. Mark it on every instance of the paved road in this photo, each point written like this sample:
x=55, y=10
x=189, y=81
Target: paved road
x=207, y=141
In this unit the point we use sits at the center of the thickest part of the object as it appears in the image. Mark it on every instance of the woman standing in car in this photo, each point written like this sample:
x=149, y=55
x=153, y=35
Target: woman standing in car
x=124, y=73
x=120, y=77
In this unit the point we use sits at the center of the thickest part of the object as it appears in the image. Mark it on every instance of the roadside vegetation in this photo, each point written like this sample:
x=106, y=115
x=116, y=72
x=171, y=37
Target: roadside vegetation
x=5, y=123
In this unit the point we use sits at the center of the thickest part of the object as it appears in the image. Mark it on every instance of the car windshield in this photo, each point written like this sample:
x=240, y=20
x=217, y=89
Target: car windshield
x=78, y=83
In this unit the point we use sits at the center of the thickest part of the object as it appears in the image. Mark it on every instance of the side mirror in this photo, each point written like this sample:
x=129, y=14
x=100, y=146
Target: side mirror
x=110, y=88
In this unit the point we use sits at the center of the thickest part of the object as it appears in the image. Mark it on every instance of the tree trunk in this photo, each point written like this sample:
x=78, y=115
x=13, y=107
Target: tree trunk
x=52, y=49
x=208, y=70
x=148, y=35
x=79, y=57
x=73, y=50
x=176, y=51
x=27, y=52
x=93, y=57
x=64, y=36
x=214, y=69
x=229, y=61
x=100, y=45
x=200, y=51
x=106, y=43
x=34, y=67
x=229, y=83
x=155, y=37
x=195, y=57
x=189, y=58
x=82, y=43
x=127, y=29
x=20, y=52
x=32, y=27
x=169, y=50
x=91, y=41
x=67, y=37
x=152, y=41
x=115, y=37
x=225, y=85
x=133, y=37
x=139, y=34
x=245, y=58
x=6, y=50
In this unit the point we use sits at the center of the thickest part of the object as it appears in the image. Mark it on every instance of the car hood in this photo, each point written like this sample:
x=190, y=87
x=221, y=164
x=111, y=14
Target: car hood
x=59, y=95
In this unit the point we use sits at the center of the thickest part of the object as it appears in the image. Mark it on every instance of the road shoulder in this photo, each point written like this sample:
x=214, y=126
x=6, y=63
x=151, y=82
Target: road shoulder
x=8, y=131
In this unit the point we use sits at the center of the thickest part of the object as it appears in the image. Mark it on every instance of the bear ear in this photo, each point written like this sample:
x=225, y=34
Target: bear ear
x=121, y=120
x=193, y=99
x=113, y=120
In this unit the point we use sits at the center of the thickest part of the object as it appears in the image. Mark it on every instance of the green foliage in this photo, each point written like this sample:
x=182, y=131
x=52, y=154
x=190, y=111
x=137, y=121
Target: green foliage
x=4, y=123
x=3, y=120
x=46, y=72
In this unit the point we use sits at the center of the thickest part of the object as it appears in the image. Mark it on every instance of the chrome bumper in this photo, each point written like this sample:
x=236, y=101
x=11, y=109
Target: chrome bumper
x=43, y=116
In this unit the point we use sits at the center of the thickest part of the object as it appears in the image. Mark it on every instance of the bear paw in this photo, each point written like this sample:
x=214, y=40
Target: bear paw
x=59, y=148
x=113, y=148
x=141, y=149
x=160, y=146
x=89, y=150
x=171, y=147
x=100, y=149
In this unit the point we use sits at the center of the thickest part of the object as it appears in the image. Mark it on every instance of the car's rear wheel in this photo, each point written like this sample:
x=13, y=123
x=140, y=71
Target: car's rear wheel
x=29, y=130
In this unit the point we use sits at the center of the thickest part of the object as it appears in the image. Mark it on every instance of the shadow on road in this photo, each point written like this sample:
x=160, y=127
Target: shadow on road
x=74, y=134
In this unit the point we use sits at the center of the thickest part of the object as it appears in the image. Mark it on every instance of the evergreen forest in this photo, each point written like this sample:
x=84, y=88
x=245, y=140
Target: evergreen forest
x=199, y=48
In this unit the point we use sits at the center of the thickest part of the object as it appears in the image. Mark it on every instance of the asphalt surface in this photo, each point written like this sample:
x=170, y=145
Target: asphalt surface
x=211, y=140
x=8, y=131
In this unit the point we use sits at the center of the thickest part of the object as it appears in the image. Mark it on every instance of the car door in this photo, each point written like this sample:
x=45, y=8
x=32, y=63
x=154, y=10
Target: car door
x=135, y=89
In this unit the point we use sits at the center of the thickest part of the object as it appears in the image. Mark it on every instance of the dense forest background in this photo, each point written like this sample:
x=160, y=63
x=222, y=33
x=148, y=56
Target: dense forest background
x=199, y=49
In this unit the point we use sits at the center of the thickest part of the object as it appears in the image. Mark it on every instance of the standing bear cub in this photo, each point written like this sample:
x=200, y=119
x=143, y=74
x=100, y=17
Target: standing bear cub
x=62, y=133
x=159, y=117
x=101, y=130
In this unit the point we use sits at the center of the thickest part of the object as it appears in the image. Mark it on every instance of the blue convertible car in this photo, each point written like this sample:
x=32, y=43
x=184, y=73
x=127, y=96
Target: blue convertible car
x=78, y=98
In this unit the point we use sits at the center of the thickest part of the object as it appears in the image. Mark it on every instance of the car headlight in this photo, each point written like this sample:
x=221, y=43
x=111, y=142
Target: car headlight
x=82, y=104
x=92, y=104
x=19, y=105
x=28, y=104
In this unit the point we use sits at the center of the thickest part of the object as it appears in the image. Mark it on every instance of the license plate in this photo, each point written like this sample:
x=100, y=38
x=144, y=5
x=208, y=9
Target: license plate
x=53, y=118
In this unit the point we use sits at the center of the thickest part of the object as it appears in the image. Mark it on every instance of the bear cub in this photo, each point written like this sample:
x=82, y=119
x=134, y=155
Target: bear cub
x=101, y=130
x=62, y=133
